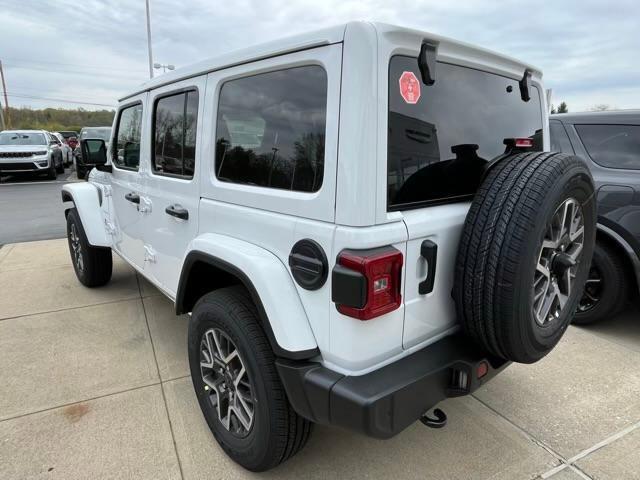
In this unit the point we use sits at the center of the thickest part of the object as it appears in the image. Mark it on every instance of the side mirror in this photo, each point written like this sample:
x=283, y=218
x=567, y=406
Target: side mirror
x=94, y=151
x=53, y=142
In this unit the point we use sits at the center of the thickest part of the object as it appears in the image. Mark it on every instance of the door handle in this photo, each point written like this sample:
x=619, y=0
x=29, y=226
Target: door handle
x=428, y=251
x=177, y=211
x=133, y=197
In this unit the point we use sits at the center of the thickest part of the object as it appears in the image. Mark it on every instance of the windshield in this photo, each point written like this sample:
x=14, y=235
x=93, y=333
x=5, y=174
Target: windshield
x=17, y=138
x=102, y=133
x=441, y=136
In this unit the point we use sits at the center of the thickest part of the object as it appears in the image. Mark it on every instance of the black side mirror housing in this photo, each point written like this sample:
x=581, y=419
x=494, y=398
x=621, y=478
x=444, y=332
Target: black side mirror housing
x=94, y=151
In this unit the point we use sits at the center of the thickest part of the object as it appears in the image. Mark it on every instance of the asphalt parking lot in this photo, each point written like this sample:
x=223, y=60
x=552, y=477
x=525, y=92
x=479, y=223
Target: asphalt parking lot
x=95, y=385
x=31, y=207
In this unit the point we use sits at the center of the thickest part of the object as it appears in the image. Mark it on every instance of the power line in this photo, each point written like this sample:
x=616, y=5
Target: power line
x=36, y=91
x=81, y=65
x=75, y=72
x=61, y=100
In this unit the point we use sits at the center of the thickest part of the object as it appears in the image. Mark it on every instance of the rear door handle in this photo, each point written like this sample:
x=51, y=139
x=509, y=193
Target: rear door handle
x=177, y=211
x=428, y=251
x=133, y=197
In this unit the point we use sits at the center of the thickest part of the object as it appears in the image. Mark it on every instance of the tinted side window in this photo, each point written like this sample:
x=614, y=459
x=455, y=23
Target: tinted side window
x=559, y=139
x=126, y=151
x=175, y=121
x=613, y=146
x=271, y=129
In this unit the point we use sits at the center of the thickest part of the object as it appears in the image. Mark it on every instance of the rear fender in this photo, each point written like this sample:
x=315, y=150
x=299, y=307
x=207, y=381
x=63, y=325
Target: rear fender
x=268, y=281
x=86, y=200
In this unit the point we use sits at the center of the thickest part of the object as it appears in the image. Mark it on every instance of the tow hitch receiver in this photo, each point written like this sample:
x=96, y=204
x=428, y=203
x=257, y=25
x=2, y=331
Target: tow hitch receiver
x=439, y=421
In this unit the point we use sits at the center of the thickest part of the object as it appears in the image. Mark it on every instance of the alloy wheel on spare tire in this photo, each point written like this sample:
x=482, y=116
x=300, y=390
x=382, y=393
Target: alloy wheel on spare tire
x=525, y=253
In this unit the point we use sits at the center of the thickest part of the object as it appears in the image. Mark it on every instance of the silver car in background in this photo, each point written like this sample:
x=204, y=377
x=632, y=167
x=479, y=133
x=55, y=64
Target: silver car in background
x=67, y=151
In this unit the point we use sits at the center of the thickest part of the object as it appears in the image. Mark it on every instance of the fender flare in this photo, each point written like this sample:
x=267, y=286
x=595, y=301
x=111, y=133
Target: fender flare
x=86, y=198
x=605, y=228
x=280, y=310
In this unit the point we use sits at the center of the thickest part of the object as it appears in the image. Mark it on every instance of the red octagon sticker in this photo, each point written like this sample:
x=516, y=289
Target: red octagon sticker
x=409, y=87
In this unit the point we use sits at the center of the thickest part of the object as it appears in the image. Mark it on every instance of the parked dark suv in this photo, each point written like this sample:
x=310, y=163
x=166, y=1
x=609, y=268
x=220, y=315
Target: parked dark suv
x=610, y=141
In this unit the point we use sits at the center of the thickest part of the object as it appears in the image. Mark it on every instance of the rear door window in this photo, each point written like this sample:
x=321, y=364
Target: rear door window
x=271, y=129
x=441, y=136
x=559, y=139
x=174, y=125
x=612, y=146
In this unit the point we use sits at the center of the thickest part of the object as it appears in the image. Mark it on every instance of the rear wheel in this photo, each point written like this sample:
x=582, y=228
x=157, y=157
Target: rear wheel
x=524, y=254
x=237, y=385
x=93, y=265
x=606, y=290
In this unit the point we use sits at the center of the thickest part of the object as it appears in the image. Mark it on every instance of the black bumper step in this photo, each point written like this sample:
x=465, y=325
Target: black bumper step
x=386, y=401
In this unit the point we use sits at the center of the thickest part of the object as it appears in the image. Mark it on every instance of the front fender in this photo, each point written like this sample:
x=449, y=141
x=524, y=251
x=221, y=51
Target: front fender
x=269, y=283
x=86, y=199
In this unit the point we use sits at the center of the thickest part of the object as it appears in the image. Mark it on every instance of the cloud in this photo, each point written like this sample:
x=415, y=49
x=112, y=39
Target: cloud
x=94, y=51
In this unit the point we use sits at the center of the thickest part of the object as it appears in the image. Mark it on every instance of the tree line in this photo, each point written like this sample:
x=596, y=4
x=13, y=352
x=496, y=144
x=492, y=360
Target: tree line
x=57, y=119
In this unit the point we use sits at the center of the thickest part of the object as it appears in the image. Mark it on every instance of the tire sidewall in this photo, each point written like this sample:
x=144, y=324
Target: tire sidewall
x=539, y=340
x=74, y=218
x=250, y=450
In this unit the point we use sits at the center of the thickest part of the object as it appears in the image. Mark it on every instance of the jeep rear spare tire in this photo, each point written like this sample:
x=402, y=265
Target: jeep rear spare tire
x=525, y=253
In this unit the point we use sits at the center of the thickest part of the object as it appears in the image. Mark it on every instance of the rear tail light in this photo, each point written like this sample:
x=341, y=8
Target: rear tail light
x=518, y=143
x=524, y=142
x=366, y=283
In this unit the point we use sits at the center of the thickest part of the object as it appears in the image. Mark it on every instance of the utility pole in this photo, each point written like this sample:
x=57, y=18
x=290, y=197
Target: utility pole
x=6, y=99
x=149, y=40
x=2, y=125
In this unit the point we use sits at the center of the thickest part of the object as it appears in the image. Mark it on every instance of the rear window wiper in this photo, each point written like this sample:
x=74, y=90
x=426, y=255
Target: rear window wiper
x=525, y=86
x=427, y=62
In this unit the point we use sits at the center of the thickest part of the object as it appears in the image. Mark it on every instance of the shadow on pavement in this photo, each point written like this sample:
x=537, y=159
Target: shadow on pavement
x=623, y=328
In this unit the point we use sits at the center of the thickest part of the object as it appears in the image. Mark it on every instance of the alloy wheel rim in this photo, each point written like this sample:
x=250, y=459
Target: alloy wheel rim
x=226, y=382
x=592, y=291
x=76, y=248
x=558, y=262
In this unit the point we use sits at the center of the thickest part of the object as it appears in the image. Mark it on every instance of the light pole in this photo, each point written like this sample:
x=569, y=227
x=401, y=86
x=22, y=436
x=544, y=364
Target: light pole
x=164, y=67
x=149, y=40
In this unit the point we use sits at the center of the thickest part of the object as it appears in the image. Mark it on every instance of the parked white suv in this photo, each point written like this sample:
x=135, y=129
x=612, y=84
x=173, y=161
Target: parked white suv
x=305, y=200
x=30, y=151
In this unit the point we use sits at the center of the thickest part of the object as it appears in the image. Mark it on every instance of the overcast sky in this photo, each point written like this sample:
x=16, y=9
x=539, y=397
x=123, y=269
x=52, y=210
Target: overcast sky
x=93, y=51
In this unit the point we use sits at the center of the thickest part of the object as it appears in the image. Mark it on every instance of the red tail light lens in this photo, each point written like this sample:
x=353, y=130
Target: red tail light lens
x=524, y=142
x=379, y=282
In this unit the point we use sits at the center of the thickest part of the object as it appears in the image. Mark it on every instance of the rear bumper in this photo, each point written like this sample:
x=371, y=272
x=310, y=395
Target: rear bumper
x=384, y=402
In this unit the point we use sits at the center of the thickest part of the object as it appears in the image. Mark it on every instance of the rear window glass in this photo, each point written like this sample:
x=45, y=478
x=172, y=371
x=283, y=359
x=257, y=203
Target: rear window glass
x=559, y=139
x=103, y=133
x=441, y=136
x=612, y=146
x=271, y=129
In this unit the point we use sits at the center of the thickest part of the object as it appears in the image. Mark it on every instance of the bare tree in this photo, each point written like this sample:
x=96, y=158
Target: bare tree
x=601, y=107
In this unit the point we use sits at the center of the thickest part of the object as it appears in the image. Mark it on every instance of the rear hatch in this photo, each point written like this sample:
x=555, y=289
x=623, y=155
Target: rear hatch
x=440, y=139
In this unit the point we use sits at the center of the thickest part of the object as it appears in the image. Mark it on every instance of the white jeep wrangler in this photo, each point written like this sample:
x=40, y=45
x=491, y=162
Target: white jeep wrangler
x=360, y=220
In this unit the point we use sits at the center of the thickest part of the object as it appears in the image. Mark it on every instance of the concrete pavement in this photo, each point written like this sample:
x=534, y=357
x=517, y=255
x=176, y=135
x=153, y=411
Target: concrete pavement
x=94, y=384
